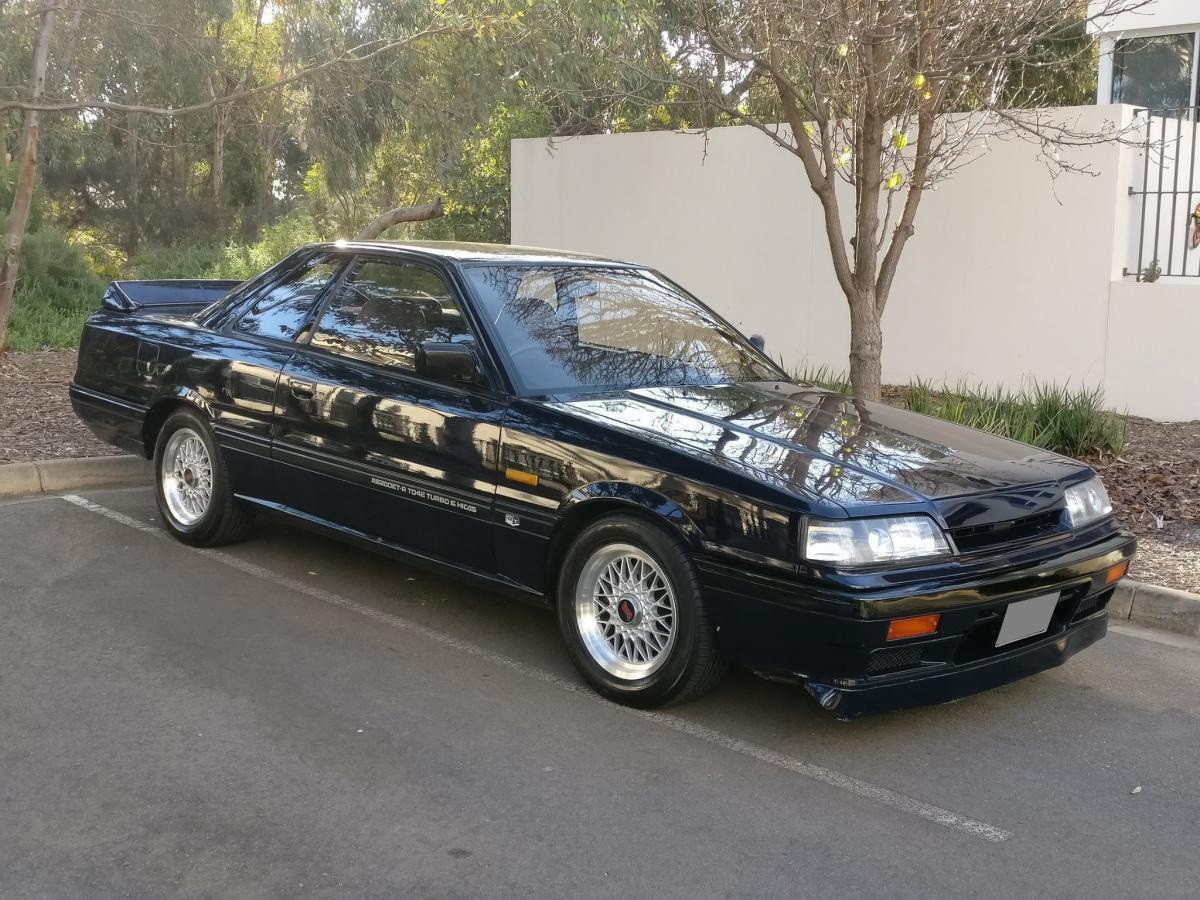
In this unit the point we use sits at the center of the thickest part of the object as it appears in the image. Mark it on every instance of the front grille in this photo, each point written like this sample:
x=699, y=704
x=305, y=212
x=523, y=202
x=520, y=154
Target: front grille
x=979, y=641
x=978, y=537
x=894, y=659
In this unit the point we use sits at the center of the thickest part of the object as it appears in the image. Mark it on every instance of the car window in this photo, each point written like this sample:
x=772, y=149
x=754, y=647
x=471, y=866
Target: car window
x=281, y=310
x=384, y=311
x=573, y=327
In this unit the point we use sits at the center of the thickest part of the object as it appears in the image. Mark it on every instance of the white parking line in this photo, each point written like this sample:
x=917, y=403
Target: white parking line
x=848, y=783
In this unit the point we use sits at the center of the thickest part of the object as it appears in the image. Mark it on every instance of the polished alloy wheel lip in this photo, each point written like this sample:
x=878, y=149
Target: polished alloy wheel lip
x=629, y=644
x=186, y=477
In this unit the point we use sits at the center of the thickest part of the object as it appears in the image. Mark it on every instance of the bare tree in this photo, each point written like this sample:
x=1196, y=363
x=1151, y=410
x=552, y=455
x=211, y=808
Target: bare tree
x=887, y=97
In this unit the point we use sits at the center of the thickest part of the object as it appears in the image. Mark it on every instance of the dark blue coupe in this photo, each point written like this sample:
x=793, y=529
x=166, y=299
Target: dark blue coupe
x=586, y=434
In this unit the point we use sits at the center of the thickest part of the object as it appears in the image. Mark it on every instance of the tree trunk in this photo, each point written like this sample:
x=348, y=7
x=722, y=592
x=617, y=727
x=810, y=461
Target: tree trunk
x=18, y=216
x=866, y=347
x=133, y=195
x=218, y=151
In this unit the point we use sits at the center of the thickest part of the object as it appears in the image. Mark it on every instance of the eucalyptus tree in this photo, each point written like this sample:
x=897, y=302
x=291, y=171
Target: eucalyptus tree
x=131, y=83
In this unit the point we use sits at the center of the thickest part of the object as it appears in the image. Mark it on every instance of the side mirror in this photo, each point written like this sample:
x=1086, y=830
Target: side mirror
x=447, y=362
x=758, y=343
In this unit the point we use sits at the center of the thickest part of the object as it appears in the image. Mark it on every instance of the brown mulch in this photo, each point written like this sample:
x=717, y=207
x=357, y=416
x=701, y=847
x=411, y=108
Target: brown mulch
x=36, y=419
x=1155, y=486
x=1154, y=483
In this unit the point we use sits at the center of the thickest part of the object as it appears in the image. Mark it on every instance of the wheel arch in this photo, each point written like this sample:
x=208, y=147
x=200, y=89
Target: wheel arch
x=162, y=408
x=587, y=504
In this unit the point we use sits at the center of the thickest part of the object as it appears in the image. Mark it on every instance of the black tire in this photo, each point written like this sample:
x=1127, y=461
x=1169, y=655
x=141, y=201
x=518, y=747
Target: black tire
x=692, y=664
x=226, y=519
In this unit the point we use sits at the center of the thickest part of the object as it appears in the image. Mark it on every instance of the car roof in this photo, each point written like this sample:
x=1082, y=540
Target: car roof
x=466, y=252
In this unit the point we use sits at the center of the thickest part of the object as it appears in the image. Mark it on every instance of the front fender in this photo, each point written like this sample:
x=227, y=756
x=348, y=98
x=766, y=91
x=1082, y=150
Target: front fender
x=616, y=493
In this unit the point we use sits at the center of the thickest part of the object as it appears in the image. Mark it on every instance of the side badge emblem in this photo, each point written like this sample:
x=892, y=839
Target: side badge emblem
x=510, y=519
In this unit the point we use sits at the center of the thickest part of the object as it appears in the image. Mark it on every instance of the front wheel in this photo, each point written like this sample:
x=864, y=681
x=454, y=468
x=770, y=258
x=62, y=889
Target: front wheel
x=631, y=612
x=192, y=485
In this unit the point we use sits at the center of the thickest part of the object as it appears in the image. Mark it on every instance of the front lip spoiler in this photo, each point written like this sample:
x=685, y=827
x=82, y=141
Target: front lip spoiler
x=944, y=686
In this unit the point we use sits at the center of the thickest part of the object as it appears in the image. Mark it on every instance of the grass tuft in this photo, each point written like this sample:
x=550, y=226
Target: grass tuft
x=825, y=377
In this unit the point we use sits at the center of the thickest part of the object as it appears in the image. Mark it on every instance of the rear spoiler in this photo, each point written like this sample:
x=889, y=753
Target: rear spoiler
x=131, y=296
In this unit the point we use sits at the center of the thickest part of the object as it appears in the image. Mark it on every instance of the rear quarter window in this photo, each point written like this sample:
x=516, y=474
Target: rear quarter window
x=279, y=311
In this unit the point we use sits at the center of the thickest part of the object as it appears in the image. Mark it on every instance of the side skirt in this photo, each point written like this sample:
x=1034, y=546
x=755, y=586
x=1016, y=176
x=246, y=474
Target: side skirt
x=465, y=574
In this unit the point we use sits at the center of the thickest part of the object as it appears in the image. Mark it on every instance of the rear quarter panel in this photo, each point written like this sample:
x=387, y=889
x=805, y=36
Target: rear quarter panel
x=152, y=361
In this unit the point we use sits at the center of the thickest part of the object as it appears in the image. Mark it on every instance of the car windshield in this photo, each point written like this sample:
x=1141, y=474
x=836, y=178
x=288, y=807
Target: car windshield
x=571, y=327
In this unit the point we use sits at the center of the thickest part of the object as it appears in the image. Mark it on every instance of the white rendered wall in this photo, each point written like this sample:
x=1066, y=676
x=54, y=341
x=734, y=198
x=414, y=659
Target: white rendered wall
x=1007, y=276
x=1152, y=358
x=1156, y=14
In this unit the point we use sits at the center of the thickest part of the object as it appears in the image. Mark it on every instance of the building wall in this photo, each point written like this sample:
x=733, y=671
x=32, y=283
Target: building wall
x=1164, y=14
x=1152, y=348
x=1007, y=277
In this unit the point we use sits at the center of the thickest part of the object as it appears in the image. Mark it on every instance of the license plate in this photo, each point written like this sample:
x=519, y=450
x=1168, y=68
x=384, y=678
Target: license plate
x=1025, y=618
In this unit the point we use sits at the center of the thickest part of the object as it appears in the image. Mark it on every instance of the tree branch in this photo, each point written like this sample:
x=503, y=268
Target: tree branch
x=351, y=57
x=398, y=215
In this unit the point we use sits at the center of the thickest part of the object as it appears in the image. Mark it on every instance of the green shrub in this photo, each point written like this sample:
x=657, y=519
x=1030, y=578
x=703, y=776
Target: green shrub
x=188, y=261
x=226, y=260
x=1064, y=420
x=274, y=243
x=1058, y=418
x=56, y=291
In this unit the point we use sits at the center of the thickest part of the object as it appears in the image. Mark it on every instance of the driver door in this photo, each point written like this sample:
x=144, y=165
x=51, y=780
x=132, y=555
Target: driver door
x=372, y=443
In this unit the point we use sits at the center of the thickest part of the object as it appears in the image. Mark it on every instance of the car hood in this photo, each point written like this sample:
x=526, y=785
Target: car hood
x=842, y=450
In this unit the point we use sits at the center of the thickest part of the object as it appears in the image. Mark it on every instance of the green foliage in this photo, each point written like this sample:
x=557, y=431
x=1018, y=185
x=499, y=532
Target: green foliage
x=276, y=241
x=187, y=261
x=1059, y=70
x=56, y=291
x=1058, y=418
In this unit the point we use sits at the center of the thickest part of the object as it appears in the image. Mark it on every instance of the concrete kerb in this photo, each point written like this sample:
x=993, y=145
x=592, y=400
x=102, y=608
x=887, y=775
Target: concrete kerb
x=53, y=475
x=1142, y=604
x=1152, y=606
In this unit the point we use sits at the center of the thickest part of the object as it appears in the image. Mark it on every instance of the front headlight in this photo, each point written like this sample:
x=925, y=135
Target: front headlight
x=861, y=542
x=1087, y=502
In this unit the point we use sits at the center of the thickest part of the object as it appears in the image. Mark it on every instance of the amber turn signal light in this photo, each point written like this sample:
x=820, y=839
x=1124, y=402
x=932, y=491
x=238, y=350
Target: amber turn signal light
x=521, y=477
x=914, y=626
x=1116, y=572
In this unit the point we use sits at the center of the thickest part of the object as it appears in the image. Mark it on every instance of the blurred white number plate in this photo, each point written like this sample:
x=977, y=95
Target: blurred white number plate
x=1025, y=618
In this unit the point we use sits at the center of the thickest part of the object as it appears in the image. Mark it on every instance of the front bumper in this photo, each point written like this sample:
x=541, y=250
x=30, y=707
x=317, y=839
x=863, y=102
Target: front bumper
x=955, y=682
x=834, y=639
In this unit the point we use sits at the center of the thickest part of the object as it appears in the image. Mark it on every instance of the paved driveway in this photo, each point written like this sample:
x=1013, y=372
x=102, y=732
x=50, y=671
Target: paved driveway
x=292, y=717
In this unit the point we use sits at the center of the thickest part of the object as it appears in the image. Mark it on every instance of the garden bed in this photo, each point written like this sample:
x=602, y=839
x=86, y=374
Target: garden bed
x=36, y=419
x=1154, y=481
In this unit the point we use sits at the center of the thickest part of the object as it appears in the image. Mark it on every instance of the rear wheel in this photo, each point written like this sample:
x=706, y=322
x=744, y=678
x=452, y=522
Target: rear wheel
x=631, y=612
x=192, y=484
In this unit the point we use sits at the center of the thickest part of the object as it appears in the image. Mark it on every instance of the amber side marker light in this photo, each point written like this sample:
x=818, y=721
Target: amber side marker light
x=914, y=626
x=1116, y=572
x=521, y=477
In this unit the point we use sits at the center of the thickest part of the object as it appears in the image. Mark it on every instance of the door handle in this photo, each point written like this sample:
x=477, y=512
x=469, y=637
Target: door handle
x=302, y=390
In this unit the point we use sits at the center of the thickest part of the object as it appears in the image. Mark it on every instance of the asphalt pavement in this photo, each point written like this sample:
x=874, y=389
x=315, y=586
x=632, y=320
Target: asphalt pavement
x=294, y=717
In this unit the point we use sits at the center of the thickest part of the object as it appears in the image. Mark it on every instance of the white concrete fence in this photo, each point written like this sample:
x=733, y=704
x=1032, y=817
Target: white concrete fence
x=1011, y=274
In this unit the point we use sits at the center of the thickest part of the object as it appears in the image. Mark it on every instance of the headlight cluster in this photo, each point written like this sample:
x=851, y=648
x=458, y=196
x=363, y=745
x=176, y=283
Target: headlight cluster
x=1087, y=502
x=865, y=542
x=861, y=542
